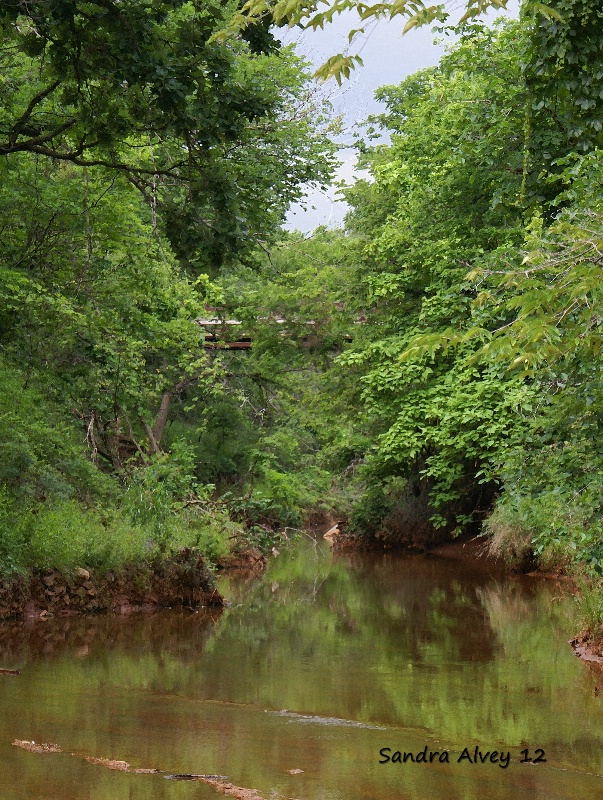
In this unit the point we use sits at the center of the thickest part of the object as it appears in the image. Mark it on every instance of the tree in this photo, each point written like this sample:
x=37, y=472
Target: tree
x=444, y=197
x=551, y=340
x=564, y=116
x=282, y=428
x=95, y=308
x=145, y=90
x=92, y=75
x=482, y=253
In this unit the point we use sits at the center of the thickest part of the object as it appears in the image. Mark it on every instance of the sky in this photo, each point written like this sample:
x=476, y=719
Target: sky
x=388, y=57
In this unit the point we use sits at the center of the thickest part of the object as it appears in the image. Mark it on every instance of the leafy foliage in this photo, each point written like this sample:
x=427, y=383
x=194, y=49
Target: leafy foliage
x=137, y=156
x=563, y=71
x=481, y=359
x=552, y=475
x=444, y=197
x=314, y=15
x=284, y=426
x=449, y=338
x=141, y=89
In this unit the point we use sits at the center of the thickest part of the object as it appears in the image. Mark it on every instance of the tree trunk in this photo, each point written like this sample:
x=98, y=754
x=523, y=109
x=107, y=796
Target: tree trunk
x=161, y=418
x=153, y=446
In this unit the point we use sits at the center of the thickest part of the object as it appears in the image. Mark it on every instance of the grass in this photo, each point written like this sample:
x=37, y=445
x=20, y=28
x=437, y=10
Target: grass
x=65, y=535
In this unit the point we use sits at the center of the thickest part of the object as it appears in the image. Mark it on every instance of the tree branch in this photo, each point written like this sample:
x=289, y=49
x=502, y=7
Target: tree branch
x=74, y=158
x=31, y=144
x=37, y=98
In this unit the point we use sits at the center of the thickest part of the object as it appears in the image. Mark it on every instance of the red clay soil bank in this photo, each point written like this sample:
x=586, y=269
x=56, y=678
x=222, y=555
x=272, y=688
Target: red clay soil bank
x=183, y=580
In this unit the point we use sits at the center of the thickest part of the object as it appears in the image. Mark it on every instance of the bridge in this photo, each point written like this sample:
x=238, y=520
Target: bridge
x=216, y=328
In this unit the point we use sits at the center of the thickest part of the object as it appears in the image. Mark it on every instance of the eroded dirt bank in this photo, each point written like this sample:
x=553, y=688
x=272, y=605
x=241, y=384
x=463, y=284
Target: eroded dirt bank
x=183, y=580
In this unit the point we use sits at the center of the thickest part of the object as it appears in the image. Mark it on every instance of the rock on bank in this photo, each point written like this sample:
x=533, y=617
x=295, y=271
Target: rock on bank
x=182, y=580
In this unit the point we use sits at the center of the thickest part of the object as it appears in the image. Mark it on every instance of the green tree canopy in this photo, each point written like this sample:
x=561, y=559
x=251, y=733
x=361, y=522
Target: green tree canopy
x=216, y=136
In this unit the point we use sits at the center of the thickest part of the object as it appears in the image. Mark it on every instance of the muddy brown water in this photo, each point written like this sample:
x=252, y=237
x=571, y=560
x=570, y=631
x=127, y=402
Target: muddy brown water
x=317, y=667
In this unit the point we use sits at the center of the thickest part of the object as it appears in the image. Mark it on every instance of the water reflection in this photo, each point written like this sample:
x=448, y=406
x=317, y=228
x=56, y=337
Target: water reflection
x=316, y=666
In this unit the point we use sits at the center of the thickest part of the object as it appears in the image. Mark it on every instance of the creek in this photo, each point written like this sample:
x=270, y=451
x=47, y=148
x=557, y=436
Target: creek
x=317, y=666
